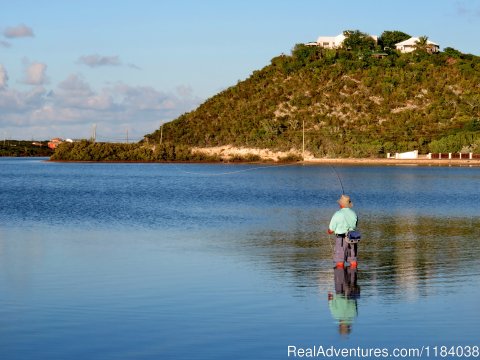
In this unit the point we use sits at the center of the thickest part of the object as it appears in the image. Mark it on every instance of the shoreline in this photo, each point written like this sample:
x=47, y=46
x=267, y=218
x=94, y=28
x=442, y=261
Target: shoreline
x=323, y=161
x=395, y=162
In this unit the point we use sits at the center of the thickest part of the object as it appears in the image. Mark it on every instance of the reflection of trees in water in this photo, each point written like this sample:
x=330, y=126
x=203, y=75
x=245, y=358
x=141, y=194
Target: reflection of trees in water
x=397, y=253
x=409, y=252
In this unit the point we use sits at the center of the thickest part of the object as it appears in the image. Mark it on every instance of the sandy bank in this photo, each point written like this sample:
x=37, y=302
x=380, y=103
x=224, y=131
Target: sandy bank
x=229, y=152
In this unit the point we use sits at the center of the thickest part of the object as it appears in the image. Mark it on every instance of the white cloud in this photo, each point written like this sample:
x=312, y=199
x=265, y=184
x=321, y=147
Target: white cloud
x=35, y=74
x=75, y=92
x=5, y=44
x=13, y=102
x=74, y=85
x=184, y=91
x=18, y=31
x=145, y=97
x=97, y=60
x=3, y=77
x=70, y=109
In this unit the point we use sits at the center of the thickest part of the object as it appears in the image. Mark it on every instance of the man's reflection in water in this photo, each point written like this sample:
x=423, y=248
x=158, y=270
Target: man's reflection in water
x=343, y=304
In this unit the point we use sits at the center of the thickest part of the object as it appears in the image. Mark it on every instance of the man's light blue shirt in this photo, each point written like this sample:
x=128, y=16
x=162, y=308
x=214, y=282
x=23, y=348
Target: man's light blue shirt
x=343, y=221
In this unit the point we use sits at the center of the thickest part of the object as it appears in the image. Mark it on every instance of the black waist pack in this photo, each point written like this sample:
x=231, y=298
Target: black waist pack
x=353, y=236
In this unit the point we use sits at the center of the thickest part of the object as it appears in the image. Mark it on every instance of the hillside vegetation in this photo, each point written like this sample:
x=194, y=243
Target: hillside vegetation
x=351, y=103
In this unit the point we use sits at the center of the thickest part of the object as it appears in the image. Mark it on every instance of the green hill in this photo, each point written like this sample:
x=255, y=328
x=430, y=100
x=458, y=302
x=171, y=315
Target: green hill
x=352, y=104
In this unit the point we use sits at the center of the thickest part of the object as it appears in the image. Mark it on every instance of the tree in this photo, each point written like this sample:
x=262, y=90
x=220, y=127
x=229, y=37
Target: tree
x=452, y=52
x=306, y=54
x=357, y=40
x=388, y=39
x=473, y=101
x=422, y=43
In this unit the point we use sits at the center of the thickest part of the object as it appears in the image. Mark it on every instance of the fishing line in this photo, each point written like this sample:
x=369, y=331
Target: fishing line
x=199, y=173
x=231, y=172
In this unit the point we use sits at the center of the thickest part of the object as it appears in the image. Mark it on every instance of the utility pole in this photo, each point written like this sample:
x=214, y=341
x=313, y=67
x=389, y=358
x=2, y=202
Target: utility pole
x=127, y=135
x=94, y=132
x=161, y=134
x=303, y=141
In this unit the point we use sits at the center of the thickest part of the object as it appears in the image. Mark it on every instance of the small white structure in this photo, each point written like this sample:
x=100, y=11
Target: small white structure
x=333, y=42
x=330, y=42
x=410, y=45
x=407, y=155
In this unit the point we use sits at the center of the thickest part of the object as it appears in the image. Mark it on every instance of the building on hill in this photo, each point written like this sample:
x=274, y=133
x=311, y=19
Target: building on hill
x=52, y=144
x=332, y=42
x=410, y=45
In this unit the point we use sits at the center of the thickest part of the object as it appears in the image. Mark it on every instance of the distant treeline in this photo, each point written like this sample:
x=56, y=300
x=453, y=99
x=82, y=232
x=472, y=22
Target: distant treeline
x=18, y=148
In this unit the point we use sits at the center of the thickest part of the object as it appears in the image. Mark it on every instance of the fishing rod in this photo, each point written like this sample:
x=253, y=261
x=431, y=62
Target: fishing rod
x=338, y=177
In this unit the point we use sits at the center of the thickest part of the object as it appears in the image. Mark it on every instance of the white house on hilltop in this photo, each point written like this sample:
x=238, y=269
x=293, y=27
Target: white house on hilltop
x=332, y=42
x=410, y=45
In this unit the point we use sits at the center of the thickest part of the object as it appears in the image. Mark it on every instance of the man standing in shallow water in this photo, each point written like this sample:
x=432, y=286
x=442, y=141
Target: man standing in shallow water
x=343, y=221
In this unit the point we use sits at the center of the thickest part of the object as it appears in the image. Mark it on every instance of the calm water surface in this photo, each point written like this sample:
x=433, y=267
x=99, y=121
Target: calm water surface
x=169, y=261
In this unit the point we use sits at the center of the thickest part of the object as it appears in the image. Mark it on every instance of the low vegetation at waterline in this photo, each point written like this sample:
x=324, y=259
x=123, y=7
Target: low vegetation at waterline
x=95, y=151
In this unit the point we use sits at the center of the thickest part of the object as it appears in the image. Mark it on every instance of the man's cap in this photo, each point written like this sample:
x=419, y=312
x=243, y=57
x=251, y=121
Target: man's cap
x=345, y=201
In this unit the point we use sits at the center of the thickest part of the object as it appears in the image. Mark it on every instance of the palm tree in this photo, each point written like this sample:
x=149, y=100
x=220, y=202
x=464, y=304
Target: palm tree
x=422, y=43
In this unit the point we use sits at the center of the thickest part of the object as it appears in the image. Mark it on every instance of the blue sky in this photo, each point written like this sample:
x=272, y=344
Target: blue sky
x=132, y=65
